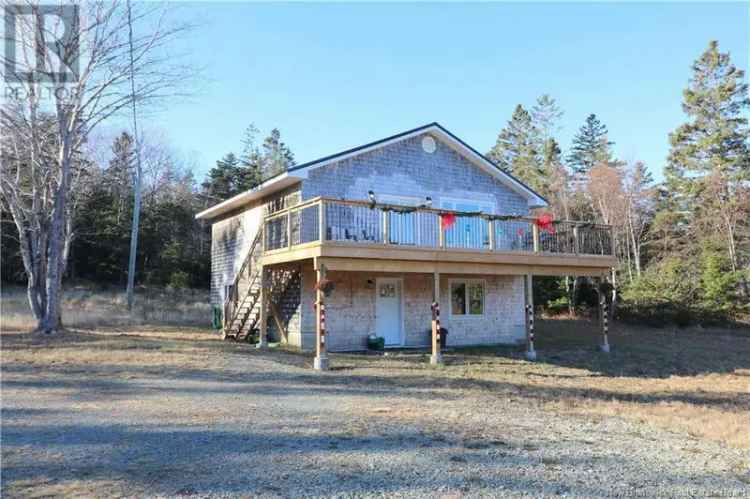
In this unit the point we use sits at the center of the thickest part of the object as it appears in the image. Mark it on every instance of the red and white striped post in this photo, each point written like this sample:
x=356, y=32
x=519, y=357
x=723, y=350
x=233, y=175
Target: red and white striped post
x=321, y=349
x=605, y=326
x=529, y=312
x=437, y=356
x=530, y=352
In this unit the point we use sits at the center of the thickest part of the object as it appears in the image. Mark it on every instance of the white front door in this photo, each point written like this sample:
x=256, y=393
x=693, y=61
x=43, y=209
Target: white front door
x=388, y=313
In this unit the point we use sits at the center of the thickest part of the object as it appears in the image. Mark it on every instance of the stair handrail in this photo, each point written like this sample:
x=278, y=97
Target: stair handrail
x=233, y=298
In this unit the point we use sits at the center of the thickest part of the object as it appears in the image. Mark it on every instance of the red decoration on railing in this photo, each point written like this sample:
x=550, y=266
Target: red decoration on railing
x=447, y=220
x=520, y=232
x=545, y=222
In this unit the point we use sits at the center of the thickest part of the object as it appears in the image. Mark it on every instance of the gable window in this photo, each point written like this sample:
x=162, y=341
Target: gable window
x=467, y=297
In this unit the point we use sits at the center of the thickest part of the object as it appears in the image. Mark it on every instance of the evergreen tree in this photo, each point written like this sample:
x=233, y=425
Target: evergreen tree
x=590, y=146
x=709, y=162
x=516, y=149
x=224, y=180
x=277, y=157
x=104, y=220
x=251, y=159
x=551, y=156
x=545, y=115
x=119, y=173
x=233, y=175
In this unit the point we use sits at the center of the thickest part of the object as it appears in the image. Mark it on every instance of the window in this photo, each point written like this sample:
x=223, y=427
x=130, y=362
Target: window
x=404, y=228
x=467, y=297
x=467, y=232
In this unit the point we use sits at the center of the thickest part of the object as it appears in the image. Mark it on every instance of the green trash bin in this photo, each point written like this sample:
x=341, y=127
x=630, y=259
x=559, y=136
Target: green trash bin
x=376, y=343
x=216, y=321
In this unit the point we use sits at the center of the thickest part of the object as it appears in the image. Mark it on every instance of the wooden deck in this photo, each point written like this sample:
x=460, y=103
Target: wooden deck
x=359, y=236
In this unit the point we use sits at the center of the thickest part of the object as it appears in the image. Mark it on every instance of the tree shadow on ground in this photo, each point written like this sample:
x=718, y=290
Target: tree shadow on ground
x=162, y=460
x=243, y=370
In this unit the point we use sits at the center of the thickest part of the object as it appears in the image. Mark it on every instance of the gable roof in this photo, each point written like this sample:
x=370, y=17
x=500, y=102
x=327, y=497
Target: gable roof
x=299, y=172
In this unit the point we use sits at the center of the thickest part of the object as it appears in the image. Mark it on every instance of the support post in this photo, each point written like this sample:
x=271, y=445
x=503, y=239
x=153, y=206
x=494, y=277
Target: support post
x=322, y=228
x=441, y=233
x=289, y=229
x=263, y=298
x=321, y=349
x=529, y=310
x=604, y=318
x=437, y=357
x=386, y=227
x=491, y=228
x=576, y=248
x=535, y=235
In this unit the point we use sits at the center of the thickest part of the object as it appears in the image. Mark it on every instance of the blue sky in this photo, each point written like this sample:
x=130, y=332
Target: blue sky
x=333, y=76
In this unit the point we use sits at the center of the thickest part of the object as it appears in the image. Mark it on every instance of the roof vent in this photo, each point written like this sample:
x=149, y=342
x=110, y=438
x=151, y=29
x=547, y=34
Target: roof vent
x=428, y=144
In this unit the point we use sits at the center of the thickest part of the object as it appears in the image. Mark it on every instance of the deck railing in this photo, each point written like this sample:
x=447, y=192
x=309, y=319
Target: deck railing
x=360, y=223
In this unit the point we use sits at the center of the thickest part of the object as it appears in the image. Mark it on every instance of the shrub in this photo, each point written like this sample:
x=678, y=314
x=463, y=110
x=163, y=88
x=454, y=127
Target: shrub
x=682, y=292
x=179, y=280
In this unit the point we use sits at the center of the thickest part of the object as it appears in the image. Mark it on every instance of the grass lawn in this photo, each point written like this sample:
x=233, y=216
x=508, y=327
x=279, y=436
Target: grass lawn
x=692, y=380
x=697, y=381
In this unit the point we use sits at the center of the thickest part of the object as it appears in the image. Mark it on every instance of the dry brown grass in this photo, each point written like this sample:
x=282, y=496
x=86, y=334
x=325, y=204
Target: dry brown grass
x=692, y=381
x=148, y=349
x=696, y=381
x=89, y=308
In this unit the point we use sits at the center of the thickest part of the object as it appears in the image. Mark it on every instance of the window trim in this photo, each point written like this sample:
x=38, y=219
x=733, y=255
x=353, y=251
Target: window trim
x=467, y=281
x=454, y=200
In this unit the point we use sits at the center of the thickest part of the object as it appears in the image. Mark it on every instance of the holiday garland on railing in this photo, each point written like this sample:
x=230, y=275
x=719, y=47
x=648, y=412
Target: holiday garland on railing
x=544, y=221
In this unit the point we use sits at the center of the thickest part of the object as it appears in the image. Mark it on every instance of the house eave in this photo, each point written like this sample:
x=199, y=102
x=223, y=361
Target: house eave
x=268, y=187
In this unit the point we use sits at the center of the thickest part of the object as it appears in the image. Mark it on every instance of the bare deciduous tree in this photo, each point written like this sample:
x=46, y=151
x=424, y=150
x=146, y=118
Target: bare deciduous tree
x=68, y=86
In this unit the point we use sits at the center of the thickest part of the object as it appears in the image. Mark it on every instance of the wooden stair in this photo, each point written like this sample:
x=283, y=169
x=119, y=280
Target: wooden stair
x=242, y=310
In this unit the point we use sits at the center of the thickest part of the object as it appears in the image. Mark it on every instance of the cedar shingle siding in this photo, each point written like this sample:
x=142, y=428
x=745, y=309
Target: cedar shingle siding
x=399, y=169
x=404, y=169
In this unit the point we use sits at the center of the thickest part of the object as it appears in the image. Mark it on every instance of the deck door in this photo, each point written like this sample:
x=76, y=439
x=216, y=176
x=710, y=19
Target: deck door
x=467, y=232
x=404, y=228
x=388, y=310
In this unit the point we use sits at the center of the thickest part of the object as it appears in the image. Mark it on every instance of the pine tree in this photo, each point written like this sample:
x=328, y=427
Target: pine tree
x=545, y=115
x=223, y=180
x=104, y=220
x=118, y=173
x=709, y=162
x=251, y=159
x=516, y=149
x=277, y=157
x=590, y=146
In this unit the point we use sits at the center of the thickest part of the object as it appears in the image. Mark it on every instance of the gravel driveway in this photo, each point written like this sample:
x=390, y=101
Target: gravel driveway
x=232, y=421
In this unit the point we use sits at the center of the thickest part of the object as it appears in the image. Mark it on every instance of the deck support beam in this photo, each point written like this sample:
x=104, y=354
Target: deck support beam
x=529, y=314
x=263, y=322
x=437, y=357
x=321, y=349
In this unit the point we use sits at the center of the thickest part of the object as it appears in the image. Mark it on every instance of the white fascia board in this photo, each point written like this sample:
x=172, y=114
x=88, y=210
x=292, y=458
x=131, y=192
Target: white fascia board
x=268, y=187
